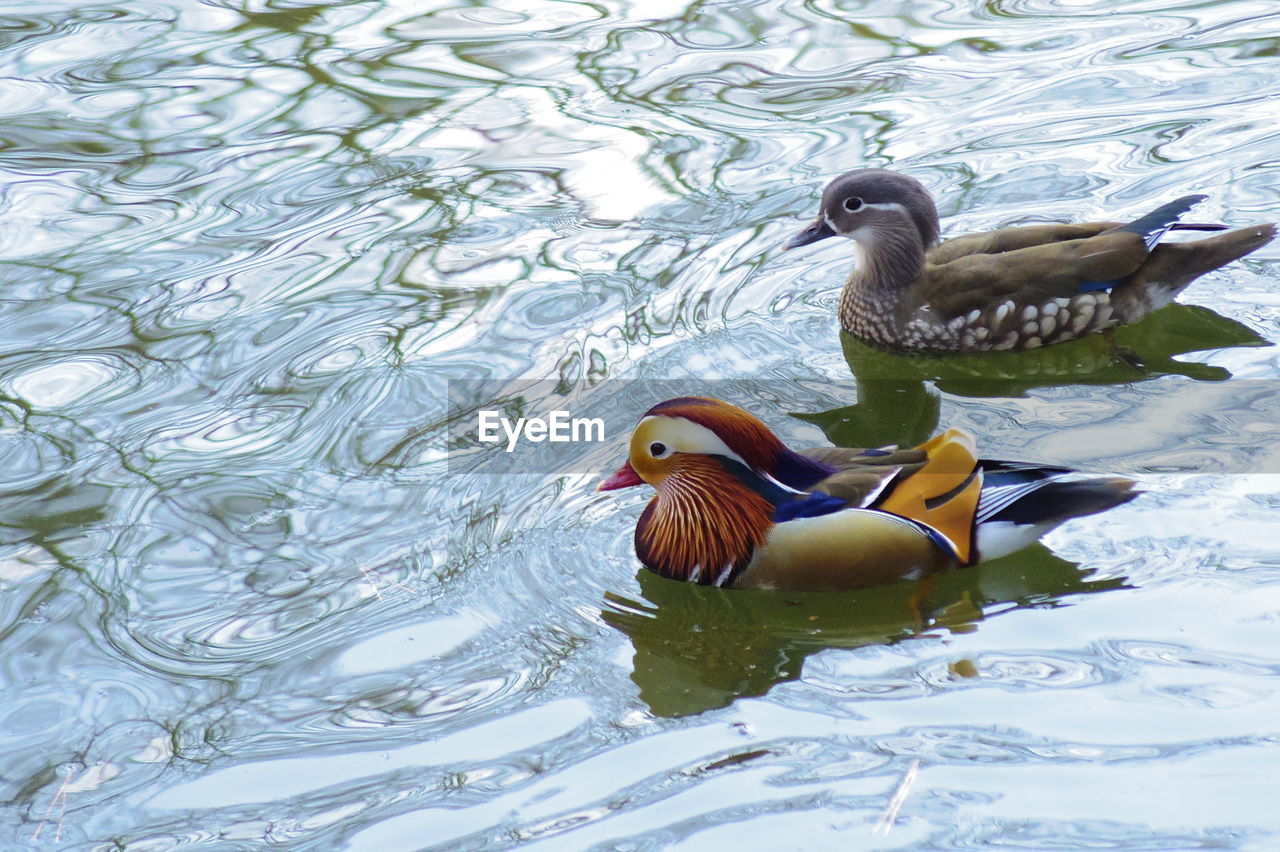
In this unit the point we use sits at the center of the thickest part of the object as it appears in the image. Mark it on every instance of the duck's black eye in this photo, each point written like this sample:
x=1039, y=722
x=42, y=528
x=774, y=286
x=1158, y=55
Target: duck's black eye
x=657, y=449
x=853, y=204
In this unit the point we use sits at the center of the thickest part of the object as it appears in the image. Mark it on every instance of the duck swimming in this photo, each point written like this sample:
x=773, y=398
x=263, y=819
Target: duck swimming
x=1014, y=288
x=736, y=508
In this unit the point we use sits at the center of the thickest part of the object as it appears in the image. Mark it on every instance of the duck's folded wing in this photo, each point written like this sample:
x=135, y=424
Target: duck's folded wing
x=1033, y=275
x=1012, y=239
x=937, y=484
x=861, y=475
x=1030, y=266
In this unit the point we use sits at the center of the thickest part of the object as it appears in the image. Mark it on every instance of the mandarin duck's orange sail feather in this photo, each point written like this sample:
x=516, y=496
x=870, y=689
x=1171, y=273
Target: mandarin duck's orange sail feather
x=944, y=493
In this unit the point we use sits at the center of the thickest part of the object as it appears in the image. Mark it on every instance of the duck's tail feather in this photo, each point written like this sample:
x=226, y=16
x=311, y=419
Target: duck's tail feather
x=1053, y=500
x=1026, y=502
x=1157, y=223
x=1173, y=266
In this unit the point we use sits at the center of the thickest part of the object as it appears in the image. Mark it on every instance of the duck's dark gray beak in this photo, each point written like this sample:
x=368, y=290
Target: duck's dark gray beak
x=819, y=230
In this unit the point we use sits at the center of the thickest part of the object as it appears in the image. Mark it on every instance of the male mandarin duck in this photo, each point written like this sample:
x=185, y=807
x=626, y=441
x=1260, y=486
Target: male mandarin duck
x=1015, y=288
x=736, y=508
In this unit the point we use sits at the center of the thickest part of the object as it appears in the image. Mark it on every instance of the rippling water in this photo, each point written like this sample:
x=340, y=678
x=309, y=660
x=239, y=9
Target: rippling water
x=244, y=601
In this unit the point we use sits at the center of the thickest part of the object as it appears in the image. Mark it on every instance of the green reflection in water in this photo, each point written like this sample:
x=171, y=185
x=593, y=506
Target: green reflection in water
x=698, y=648
x=895, y=406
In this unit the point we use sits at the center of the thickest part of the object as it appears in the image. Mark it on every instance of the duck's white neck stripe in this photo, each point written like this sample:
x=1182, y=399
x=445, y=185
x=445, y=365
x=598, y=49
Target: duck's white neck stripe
x=891, y=206
x=885, y=205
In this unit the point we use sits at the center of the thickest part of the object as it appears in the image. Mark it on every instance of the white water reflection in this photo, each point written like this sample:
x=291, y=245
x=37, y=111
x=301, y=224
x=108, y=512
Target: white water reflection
x=275, y=780
x=245, y=601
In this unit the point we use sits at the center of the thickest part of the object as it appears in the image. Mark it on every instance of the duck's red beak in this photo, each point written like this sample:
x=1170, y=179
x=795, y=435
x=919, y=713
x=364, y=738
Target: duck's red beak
x=624, y=478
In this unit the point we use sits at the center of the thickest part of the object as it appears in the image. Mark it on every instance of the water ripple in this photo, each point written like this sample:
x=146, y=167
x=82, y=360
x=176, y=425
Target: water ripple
x=247, y=246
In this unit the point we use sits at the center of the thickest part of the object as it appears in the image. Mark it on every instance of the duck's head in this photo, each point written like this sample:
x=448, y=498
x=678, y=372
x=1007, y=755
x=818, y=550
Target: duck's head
x=673, y=433
x=868, y=202
x=719, y=473
x=676, y=436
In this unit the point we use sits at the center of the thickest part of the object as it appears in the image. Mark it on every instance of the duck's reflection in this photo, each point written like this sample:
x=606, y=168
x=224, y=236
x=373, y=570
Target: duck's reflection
x=698, y=648
x=896, y=406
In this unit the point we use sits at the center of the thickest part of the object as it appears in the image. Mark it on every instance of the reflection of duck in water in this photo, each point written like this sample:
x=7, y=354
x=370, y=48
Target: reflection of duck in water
x=736, y=508
x=698, y=648
x=1015, y=288
x=897, y=403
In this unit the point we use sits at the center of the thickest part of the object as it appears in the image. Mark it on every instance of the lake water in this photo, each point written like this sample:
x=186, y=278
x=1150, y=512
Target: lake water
x=245, y=600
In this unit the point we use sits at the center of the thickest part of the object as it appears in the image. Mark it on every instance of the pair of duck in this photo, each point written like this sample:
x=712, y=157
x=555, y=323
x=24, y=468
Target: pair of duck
x=737, y=508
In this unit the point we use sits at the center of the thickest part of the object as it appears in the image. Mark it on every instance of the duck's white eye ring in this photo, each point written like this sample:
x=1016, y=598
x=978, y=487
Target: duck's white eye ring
x=853, y=204
x=657, y=449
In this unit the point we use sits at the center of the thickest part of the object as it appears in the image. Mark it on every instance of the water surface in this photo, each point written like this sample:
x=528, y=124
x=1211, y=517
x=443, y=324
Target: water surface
x=244, y=601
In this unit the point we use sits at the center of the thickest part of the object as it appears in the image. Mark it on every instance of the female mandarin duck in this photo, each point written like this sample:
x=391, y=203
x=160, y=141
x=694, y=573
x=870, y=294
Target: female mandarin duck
x=736, y=508
x=1016, y=288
